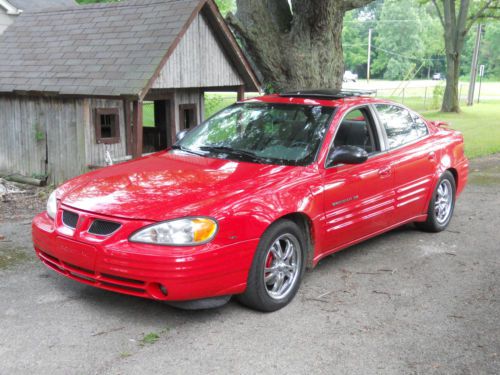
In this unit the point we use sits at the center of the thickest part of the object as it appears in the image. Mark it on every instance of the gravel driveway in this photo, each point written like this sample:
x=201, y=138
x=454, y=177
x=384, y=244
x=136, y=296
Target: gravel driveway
x=406, y=302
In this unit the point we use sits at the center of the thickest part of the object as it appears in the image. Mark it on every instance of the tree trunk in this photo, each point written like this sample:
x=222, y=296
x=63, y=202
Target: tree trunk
x=451, y=101
x=299, y=50
x=455, y=30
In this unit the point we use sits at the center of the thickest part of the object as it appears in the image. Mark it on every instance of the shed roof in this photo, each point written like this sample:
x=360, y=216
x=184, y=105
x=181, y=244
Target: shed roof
x=106, y=49
x=36, y=5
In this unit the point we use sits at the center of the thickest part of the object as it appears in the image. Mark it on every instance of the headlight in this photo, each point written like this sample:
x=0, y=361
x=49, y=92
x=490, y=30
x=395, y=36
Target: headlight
x=52, y=205
x=184, y=232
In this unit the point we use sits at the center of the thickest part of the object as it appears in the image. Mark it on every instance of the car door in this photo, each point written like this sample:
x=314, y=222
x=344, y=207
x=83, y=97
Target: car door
x=413, y=159
x=358, y=199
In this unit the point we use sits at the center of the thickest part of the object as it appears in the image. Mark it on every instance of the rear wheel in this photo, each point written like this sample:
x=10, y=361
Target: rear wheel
x=441, y=205
x=277, y=268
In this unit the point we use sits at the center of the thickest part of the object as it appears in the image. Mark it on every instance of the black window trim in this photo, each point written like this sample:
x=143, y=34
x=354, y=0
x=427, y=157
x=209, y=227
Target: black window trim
x=114, y=111
x=182, y=115
x=378, y=128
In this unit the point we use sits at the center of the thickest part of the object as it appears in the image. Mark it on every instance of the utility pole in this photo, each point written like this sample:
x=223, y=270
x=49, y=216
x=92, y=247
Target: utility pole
x=369, y=55
x=473, y=69
x=481, y=74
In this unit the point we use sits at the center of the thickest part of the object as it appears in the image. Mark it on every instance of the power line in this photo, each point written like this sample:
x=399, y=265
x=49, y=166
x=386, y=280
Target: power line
x=390, y=21
x=396, y=53
x=409, y=57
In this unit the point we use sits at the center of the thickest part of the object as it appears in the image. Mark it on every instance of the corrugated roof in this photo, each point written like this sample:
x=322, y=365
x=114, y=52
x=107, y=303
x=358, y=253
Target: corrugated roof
x=37, y=5
x=102, y=49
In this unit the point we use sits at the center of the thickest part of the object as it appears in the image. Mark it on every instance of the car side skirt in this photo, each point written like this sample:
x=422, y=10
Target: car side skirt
x=318, y=257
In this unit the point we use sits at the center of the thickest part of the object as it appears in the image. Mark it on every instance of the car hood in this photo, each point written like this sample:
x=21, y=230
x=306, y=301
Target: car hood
x=166, y=185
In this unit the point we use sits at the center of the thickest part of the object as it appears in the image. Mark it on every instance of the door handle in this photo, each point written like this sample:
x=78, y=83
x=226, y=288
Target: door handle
x=385, y=172
x=432, y=156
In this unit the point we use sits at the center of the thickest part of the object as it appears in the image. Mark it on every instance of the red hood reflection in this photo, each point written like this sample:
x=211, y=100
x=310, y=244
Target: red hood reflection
x=165, y=185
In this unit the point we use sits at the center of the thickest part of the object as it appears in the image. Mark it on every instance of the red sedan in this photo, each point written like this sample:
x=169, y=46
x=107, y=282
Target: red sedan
x=244, y=202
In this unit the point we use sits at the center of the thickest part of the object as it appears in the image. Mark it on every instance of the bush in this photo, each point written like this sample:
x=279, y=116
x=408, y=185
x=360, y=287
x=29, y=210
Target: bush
x=437, y=96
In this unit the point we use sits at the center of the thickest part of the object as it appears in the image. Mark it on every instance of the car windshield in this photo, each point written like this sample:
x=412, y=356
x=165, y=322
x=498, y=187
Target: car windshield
x=262, y=133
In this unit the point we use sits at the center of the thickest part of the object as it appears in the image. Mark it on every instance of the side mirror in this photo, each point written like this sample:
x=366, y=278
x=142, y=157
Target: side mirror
x=346, y=155
x=180, y=135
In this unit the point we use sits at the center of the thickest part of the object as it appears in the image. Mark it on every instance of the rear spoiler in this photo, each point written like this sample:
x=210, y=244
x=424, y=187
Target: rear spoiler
x=440, y=124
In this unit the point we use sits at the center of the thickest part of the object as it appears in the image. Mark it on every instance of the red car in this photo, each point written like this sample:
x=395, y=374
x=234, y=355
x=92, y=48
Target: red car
x=244, y=202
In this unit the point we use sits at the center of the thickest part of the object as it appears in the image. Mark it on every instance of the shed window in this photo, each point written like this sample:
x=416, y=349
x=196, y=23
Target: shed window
x=187, y=116
x=107, y=125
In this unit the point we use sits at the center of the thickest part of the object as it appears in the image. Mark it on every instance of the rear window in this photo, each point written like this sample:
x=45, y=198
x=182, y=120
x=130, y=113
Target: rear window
x=401, y=126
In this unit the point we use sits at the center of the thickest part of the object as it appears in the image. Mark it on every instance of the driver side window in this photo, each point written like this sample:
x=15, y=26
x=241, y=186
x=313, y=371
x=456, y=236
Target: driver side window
x=356, y=129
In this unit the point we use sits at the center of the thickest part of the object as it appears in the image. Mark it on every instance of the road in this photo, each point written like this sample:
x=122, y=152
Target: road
x=406, y=302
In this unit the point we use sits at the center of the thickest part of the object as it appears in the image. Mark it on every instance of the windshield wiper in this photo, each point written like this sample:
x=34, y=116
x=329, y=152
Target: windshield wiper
x=233, y=152
x=185, y=149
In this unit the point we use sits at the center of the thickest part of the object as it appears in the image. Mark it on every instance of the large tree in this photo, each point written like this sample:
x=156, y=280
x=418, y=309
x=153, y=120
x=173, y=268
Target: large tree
x=297, y=46
x=457, y=17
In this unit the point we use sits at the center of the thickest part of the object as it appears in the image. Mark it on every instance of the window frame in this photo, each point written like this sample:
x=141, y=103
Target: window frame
x=182, y=119
x=384, y=132
x=376, y=131
x=98, y=125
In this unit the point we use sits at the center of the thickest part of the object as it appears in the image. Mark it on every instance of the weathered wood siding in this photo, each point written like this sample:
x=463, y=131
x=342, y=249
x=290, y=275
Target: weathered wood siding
x=198, y=61
x=52, y=136
x=95, y=153
x=35, y=131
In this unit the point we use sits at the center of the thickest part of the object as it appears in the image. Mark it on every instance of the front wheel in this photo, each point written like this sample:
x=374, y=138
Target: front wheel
x=277, y=268
x=441, y=205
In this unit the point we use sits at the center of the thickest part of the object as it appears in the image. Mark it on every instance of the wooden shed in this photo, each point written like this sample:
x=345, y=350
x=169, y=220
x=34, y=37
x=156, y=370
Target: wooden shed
x=73, y=81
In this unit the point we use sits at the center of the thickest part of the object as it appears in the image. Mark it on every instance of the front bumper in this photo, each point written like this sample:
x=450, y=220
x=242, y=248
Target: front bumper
x=157, y=272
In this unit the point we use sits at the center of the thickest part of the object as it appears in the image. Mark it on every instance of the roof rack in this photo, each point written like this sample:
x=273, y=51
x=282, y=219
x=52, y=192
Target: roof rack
x=328, y=94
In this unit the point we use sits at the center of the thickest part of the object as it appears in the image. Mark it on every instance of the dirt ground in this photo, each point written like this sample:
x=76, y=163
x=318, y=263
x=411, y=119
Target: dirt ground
x=406, y=302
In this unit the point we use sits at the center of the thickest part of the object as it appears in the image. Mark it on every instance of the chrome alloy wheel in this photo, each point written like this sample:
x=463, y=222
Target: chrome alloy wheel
x=444, y=201
x=282, y=267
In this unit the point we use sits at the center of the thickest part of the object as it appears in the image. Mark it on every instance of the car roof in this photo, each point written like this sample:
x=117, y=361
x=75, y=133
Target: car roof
x=327, y=98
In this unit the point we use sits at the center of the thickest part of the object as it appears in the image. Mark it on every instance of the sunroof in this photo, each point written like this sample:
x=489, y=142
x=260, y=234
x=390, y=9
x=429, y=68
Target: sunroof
x=327, y=94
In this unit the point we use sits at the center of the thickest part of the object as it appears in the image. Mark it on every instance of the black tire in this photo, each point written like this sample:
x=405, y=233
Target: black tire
x=433, y=223
x=257, y=296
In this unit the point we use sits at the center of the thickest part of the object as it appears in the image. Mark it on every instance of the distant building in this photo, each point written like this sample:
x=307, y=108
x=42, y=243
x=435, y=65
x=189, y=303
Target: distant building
x=73, y=81
x=10, y=9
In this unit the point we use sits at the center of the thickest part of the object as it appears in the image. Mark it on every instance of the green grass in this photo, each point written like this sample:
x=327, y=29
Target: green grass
x=415, y=103
x=480, y=125
x=150, y=338
x=148, y=114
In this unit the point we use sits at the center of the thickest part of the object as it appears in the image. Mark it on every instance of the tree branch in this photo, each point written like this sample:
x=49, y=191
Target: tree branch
x=479, y=14
x=353, y=4
x=438, y=12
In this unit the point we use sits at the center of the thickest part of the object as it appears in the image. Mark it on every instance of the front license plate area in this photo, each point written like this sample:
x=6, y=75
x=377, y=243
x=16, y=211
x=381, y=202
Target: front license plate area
x=76, y=253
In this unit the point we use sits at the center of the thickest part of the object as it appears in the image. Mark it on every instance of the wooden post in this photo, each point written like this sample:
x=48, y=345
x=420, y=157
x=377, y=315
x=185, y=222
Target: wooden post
x=128, y=125
x=241, y=93
x=137, y=114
